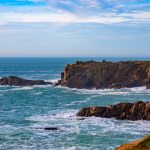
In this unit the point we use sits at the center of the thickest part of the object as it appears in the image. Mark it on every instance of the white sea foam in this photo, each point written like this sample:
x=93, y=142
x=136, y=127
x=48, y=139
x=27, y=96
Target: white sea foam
x=23, y=88
x=105, y=125
x=122, y=91
x=52, y=80
x=38, y=93
x=42, y=86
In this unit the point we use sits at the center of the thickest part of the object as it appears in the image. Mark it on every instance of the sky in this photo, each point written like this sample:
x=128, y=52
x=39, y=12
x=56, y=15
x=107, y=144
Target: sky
x=74, y=28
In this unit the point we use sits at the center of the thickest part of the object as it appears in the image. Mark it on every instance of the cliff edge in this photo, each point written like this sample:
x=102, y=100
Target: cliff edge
x=92, y=74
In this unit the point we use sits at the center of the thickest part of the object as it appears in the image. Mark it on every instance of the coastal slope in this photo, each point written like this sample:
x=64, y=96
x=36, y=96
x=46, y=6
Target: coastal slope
x=143, y=144
x=100, y=75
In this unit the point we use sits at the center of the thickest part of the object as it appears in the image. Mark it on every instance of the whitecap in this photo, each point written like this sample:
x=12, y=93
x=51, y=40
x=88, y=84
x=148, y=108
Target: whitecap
x=23, y=88
x=38, y=93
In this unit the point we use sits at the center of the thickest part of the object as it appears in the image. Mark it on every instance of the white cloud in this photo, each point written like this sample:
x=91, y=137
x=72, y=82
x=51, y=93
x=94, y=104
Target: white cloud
x=105, y=18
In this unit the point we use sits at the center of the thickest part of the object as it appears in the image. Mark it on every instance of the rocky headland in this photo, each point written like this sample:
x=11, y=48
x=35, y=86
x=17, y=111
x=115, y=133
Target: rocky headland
x=100, y=75
x=122, y=111
x=12, y=80
x=143, y=144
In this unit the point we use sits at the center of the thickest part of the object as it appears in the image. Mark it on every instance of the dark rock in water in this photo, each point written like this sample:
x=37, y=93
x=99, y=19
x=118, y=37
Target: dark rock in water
x=48, y=128
x=53, y=114
x=51, y=128
x=91, y=74
x=81, y=119
x=122, y=111
x=12, y=80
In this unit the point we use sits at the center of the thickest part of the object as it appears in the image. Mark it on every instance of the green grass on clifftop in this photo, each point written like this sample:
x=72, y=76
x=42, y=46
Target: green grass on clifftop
x=143, y=145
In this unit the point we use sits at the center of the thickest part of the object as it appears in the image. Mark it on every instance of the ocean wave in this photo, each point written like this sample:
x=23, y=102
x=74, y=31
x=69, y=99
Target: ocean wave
x=37, y=93
x=52, y=80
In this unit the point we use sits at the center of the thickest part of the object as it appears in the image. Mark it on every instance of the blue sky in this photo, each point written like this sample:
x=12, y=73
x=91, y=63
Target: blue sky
x=74, y=28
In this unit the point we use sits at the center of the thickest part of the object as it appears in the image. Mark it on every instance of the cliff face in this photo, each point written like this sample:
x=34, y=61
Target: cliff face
x=122, y=111
x=91, y=74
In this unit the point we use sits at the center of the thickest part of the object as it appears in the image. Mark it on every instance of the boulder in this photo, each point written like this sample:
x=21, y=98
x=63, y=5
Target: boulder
x=16, y=81
x=122, y=111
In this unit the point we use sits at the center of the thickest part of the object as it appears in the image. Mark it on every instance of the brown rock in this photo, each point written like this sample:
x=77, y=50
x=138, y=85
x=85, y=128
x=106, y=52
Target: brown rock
x=12, y=80
x=129, y=111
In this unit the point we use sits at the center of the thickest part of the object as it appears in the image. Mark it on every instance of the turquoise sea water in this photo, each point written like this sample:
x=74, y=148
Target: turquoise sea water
x=24, y=111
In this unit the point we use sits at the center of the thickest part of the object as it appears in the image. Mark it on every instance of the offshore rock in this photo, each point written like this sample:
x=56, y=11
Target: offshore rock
x=91, y=74
x=12, y=80
x=122, y=111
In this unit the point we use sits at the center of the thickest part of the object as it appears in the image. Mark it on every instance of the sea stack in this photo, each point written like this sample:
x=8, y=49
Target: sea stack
x=100, y=75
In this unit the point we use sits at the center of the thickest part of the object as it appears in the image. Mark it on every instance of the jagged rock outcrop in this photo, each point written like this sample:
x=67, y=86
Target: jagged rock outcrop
x=91, y=74
x=12, y=80
x=122, y=111
x=143, y=144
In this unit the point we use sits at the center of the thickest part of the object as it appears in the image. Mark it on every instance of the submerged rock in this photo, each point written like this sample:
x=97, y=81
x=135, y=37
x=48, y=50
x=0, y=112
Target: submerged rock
x=122, y=111
x=91, y=74
x=12, y=80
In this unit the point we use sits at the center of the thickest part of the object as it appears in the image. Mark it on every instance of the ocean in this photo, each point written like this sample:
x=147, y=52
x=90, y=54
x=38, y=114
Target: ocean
x=25, y=111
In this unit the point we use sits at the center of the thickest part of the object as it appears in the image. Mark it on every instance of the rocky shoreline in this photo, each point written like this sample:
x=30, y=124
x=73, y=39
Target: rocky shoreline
x=122, y=111
x=100, y=75
x=16, y=81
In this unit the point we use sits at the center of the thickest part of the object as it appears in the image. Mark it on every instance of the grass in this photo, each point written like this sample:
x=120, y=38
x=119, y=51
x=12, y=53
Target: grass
x=143, y=145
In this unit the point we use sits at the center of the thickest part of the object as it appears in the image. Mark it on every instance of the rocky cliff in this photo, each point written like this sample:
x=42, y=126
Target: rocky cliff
x=91, y=74
x=122, y=111
x=12, y=80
